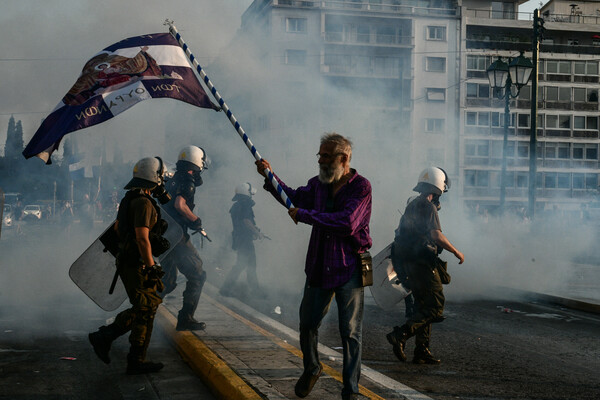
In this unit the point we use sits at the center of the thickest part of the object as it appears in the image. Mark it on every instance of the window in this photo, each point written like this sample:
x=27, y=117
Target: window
x=497, y=149
x=578, y=181
x=523, y=150
x=477, y=148
x=496, y=118
x=471, y=118
x=295, y=57
x=591, y=152
x=363, y=34
x=477, y=178
x=436, y=33
x=550, y=180
x=477, y=63
x=564, y=121
x=436, y=94
x=550, y=151
x=563, y=151
x=591, y=181
x=522, y=180
x=296, y=25
x=483, y=118
x=435, y=64
x=578, y=122
x=551, y=121
x=578, y=151
x=478, y=90
x=564, y=181
x=386, y=34
x=434, y=125
x=558, y=67
x=564, y=94
x=523, y=120
x=551, y=93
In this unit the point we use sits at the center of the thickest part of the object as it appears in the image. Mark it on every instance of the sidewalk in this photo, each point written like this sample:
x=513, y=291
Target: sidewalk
x=260, y=359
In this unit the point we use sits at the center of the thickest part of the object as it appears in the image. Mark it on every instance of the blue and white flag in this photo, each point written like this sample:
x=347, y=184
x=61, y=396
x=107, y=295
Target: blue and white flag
x=121, y=75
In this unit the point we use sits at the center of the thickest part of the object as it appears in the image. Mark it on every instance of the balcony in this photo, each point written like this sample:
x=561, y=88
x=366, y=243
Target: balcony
x=368, y=39
x=352, y=70
x=362, y=6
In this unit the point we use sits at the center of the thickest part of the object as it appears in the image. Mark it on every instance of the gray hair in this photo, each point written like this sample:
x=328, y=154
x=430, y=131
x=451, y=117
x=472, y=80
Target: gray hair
x=342, y=144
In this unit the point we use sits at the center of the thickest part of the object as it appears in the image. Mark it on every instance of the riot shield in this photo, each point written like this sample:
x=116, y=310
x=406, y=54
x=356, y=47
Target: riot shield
x=386, y=291
x=1, y=210
x=94, y=271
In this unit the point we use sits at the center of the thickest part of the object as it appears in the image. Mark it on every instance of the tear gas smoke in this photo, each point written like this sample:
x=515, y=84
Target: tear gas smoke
x=284, y=117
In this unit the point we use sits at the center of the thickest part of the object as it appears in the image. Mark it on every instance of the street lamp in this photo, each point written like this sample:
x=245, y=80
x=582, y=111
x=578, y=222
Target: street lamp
x=504, y=78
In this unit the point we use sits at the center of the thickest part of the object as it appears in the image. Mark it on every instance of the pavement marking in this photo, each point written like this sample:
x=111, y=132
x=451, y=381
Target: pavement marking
x=407, y=392
x=295, y=351
x=215, y=373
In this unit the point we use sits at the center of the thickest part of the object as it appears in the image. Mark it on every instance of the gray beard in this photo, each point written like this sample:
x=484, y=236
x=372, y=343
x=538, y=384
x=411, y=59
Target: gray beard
x=329, y=174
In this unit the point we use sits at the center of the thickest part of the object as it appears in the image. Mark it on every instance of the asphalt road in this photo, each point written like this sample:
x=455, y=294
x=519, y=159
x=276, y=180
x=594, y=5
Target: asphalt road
x=490, y=349
x=494, y=349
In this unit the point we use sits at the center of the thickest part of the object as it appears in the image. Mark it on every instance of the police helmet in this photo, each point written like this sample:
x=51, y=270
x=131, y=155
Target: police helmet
x=245, y=189
x=433, y=180
x=192, y=158
x=147, y=173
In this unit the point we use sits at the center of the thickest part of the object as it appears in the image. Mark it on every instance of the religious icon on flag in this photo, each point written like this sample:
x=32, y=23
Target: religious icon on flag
x=121, y=75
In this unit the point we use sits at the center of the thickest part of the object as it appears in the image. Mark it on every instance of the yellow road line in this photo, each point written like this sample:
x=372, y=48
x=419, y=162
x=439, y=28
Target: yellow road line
x=295, y=351
x=215, y=372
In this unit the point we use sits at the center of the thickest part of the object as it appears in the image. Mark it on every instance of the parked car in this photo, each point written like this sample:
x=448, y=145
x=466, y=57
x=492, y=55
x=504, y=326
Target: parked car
x=7, y=216
x=32, y=211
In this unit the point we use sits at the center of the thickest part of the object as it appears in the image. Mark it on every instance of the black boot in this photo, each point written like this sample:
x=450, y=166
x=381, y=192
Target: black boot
x=397, y=338
x=186, y=322
x=424, y=356
x=101, y=341
x=136, y=364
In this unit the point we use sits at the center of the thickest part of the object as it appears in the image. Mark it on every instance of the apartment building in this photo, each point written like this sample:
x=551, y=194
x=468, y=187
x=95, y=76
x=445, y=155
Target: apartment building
x=378, y=52
x=419, y=68
x=567, y=124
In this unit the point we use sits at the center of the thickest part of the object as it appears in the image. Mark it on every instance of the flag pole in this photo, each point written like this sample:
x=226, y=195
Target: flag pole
x=286, y=201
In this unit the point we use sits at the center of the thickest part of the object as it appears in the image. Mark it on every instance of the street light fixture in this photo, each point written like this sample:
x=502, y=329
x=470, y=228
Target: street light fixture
x=504, y=78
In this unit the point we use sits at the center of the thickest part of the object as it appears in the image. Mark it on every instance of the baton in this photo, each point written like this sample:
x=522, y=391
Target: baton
x=203, y=233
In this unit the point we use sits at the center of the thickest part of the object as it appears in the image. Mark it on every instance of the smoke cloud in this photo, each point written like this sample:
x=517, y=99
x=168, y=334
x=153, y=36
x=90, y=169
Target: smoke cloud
x=282, y=114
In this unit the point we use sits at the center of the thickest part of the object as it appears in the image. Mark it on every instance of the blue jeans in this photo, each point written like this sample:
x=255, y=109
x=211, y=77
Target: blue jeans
x=315, y=305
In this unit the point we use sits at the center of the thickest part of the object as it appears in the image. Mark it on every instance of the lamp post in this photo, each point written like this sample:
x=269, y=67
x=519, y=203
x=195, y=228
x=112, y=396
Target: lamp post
x=504, y=78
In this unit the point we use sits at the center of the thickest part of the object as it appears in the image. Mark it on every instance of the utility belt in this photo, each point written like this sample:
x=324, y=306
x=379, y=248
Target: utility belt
x=366, y=265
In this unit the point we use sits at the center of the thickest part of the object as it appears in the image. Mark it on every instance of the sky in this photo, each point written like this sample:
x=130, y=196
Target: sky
x=45, y=43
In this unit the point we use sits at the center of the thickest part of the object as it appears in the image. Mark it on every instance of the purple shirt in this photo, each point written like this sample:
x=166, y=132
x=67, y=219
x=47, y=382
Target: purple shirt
x=337, y=235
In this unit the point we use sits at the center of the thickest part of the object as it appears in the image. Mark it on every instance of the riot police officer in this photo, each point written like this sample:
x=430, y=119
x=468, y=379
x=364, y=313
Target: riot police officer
x=416, y=246
x=192, y=160
x=138, y=223
x=244, y=233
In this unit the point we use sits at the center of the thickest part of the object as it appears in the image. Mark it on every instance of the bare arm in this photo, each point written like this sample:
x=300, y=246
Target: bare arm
x=183, y=209
x=252, y=228
x=442, y=241
x=142, y=239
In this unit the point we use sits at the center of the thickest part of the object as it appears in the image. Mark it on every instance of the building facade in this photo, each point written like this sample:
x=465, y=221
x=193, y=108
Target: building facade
x=419, y=68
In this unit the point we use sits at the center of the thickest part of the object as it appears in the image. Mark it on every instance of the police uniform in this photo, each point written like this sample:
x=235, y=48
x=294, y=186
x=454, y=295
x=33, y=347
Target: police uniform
x=184, y=256
x=417, y=252
x=243, y=243
x=136, y=210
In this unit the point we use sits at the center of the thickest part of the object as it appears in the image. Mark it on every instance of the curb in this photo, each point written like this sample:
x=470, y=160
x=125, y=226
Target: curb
x=214, y=372
x=569, y=303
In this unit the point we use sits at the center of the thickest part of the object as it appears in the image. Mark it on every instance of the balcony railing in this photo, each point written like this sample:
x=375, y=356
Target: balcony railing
x=528, y=16
x=376, y=39
x=387, y=6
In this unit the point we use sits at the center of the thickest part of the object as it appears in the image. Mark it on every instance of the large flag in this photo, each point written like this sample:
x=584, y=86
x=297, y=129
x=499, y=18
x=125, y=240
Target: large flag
x=115, y=79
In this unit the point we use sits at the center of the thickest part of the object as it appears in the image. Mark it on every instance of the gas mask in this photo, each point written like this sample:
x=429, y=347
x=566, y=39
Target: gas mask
x=436, y=201
x=197, y=178
x=161, y=194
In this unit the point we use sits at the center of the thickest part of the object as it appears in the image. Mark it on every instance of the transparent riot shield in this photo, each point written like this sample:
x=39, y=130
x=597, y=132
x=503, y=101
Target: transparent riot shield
x=1, y=210
x=94, y=271
x=386, y=289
